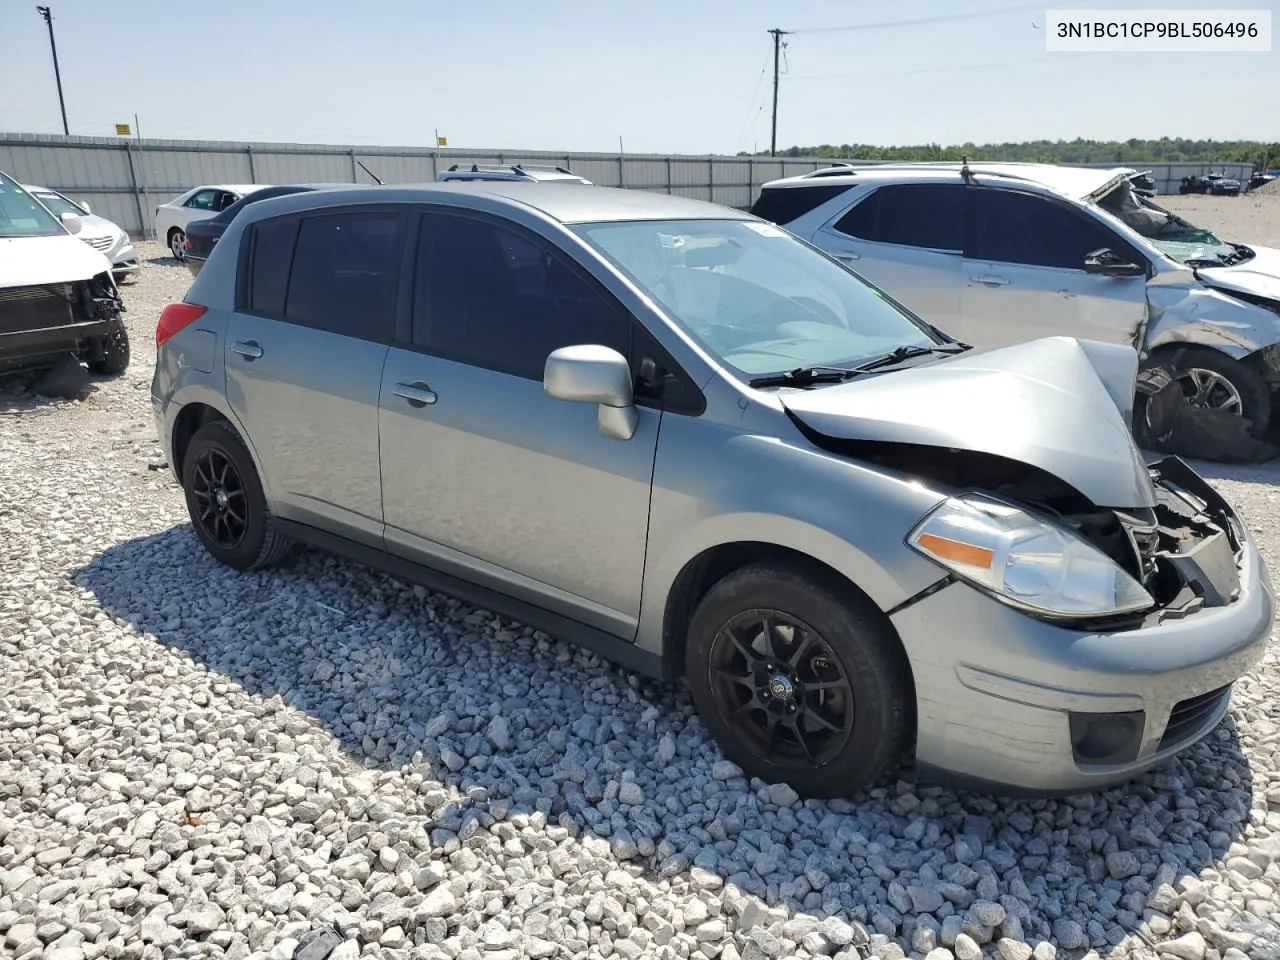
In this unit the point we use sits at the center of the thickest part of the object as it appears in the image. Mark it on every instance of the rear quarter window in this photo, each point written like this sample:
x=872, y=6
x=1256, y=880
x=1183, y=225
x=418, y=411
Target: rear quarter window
x=782, y=205
x=271, y=252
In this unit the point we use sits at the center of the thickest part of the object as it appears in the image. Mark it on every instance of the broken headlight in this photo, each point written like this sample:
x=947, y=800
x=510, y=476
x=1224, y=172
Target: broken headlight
x=1025, y=560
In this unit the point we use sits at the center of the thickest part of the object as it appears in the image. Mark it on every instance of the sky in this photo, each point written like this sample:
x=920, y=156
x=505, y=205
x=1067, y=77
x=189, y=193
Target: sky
x=662, y=76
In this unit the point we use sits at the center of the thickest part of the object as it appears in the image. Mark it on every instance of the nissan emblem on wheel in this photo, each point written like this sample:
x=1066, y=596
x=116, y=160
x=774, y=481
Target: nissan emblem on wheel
x=681, y=437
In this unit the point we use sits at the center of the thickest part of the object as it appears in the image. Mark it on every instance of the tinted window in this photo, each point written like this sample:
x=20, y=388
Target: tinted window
x=1011, y=227
x=927, y=215
x=494, y=297
x=784, y=204
x=272, y=252
x=344, y=274
x=203, y=200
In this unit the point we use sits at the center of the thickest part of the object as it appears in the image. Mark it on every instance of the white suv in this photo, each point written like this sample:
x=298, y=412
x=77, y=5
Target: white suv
x=1006, y=252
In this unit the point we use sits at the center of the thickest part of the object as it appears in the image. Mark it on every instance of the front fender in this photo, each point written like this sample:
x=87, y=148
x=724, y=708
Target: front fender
x=1200, y=315
x=715, y=486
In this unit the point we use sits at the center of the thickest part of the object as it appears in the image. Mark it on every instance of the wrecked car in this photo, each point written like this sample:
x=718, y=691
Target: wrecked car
x=57, y=295
x=1005, y=252
x=1217, y=184
x=678, y=436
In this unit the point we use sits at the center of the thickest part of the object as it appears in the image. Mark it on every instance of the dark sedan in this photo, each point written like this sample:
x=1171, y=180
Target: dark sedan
x=203, y=234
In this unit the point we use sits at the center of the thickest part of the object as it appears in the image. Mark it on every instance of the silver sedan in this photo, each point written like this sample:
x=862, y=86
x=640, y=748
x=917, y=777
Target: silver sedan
x=98, y=232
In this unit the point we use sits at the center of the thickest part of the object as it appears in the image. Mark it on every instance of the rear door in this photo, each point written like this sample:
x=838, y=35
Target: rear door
x=1024, y=273
x=304, y=359
x=907, y=239
x=483, y=474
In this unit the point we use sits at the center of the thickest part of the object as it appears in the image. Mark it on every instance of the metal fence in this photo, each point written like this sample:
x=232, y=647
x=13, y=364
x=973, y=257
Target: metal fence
x=125, y=179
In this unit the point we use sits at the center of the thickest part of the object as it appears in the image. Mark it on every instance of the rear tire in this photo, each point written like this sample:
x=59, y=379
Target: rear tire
x=177, y=238
x=225, y=500
x=829, y=708
x=115, y=351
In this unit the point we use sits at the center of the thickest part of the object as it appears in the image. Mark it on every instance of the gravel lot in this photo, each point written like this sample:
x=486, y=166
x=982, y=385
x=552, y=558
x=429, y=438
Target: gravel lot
x=198, y=763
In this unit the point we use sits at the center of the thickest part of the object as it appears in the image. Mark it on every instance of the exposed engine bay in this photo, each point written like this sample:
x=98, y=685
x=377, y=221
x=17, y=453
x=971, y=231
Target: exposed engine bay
x=1184, y=550
x=43, y=321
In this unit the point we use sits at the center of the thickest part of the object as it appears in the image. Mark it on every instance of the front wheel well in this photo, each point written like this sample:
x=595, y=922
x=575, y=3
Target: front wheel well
x=710, y=567
x=190, y=419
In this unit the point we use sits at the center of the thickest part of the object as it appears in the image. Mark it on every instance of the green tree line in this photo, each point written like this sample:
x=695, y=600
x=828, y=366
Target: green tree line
x=1124, y=152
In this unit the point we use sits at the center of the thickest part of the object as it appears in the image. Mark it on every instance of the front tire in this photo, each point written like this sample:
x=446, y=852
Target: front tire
x=1208, y=380
x=800, y=679
x=115, y=351
x=225, y=500
x=177, y=244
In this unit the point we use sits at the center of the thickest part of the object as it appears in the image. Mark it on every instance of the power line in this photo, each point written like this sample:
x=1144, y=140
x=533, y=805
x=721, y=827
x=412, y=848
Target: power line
x=752, y=110
x=941, y=18
x=1059, y=58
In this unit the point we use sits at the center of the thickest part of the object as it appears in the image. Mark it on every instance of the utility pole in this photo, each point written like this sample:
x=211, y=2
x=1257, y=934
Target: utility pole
x=57, y=74
x=777, y=49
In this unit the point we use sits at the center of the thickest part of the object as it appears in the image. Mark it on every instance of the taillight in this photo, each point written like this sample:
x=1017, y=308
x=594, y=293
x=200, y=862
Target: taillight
x=174, y=317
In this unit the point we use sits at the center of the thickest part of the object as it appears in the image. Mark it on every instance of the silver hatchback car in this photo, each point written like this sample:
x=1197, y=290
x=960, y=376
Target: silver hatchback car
x=672, y=433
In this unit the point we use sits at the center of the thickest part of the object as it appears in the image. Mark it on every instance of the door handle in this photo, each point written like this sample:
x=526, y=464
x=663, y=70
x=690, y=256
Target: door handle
x=248, y=349
x=991, y=281
x=847, y=256
x=417, y=393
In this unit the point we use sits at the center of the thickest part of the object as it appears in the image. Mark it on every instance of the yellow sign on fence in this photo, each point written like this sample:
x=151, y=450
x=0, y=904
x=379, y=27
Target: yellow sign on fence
x=122, y=130
x=442, y=141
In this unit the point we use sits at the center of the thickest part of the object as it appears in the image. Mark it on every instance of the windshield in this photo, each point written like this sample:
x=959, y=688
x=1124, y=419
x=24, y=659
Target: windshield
x=755, y=297
x=1171, y=234
x=22, y=216
x=57, y=203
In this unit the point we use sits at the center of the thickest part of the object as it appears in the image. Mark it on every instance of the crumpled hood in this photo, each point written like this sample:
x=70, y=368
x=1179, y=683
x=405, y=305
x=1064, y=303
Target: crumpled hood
x=1259, y=276
x=1049, y=403
x=60, y=259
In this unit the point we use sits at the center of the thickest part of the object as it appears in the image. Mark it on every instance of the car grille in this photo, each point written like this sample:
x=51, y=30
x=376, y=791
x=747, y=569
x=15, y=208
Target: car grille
x=35, y=308
x=100, y=243
x=1188, y=717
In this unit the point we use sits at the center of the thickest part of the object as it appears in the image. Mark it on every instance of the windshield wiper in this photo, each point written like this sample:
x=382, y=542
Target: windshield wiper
x=899, y=354
x=805, y=376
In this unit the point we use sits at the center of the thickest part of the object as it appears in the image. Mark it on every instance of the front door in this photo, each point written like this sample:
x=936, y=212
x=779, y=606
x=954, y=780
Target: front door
x=1024, y=274
x=483, y=473
x=304, y=363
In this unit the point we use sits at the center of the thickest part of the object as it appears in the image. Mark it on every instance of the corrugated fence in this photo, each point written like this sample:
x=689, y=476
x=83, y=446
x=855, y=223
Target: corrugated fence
x=125, y=179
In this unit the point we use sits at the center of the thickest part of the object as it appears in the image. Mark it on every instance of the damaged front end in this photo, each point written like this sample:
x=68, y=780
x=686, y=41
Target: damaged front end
x=43, y=323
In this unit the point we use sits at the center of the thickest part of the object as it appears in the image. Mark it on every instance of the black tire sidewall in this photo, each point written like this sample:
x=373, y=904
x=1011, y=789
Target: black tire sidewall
x=175, y=236
x=1254, y=392
x=115, y=351
x=222, y=437
x=870, y=656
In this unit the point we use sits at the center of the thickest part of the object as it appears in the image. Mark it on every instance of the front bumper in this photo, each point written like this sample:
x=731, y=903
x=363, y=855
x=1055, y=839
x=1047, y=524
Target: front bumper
x=1002, y=697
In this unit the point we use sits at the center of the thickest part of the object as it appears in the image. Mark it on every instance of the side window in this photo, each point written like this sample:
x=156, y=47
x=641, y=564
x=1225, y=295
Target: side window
x=344, y=274
x=1013, y=227
x=928, y=215
x=203, y=200
x=494, y=297
x=269, y=274
x=224, y=200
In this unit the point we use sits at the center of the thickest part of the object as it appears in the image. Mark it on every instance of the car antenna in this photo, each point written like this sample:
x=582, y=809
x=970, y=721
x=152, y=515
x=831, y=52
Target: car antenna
x=965, y=173
x=370, y=172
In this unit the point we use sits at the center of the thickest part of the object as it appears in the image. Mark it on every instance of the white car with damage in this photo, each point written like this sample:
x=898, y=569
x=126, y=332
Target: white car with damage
x=999, y=253
x=57, y=296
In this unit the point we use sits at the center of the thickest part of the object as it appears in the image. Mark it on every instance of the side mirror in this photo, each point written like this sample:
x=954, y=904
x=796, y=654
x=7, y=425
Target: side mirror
x=590, y=373
x=1106, y=264
x=72, y=222
x=84, y=205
